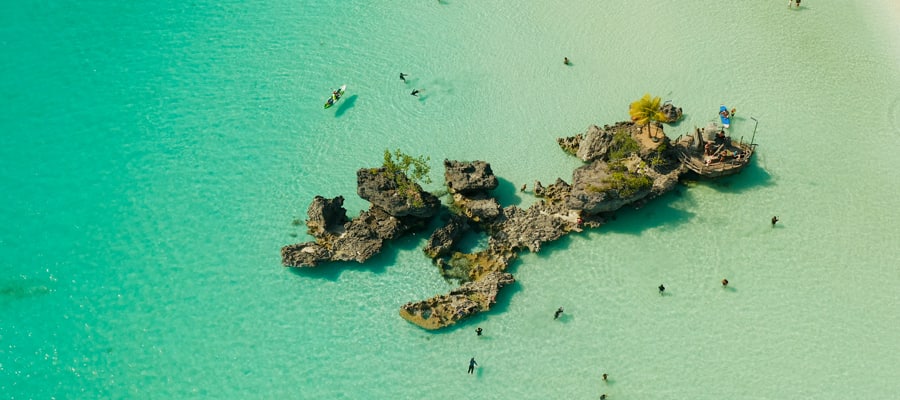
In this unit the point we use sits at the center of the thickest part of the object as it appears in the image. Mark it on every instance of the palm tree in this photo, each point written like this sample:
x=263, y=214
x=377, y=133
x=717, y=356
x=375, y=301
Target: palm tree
x=646, y=110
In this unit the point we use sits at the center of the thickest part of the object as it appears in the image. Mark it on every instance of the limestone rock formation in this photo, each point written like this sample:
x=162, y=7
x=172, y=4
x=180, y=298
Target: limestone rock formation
x=479, y=207
x=640, y=170
x=382, y=190
x=468, y=177
x=594, y=192
x=595, y=145
x=443, y=239
x=462, y=302
x=326, y=215
x=673, y=113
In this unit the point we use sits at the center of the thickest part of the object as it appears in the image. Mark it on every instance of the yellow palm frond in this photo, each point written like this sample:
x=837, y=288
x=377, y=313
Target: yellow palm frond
x=646, y=110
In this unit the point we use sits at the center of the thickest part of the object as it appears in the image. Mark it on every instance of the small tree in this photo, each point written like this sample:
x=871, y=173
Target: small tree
x=646, y=110
x=406, y=171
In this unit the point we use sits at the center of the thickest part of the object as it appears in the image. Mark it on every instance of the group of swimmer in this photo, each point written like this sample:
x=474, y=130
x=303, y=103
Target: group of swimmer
x=403, y=76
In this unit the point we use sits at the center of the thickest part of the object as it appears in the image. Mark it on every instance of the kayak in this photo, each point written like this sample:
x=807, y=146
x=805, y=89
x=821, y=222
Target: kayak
x=725, y=116
x=335, y=96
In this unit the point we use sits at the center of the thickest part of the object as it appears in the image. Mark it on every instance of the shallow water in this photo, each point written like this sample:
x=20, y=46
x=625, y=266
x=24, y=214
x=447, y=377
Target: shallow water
x=157, y=154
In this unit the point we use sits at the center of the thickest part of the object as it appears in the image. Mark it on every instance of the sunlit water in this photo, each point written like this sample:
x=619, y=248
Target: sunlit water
x=157, y=153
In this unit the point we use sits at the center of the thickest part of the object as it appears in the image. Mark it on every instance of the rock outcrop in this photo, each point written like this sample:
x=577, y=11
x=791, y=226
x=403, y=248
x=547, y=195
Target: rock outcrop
x=625, y=164
x=382, y=189
x=595, y=145
x=464, y=301
x=392, y=214
x=672, y=113
x=468, y=177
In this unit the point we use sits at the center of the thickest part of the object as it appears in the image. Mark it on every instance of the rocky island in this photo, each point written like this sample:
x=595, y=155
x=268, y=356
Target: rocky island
x=626, y=163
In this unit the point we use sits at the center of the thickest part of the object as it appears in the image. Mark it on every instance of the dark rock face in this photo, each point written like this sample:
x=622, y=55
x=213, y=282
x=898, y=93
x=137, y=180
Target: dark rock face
x=326, y=215
x=444, y=238
x=672, y=113
x=357, y=240
x=468, y=177
x=570, y=144
x=376, y=186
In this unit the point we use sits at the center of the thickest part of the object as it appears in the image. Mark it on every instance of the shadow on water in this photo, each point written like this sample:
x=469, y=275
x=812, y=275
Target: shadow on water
x=658, y=213
x=346, y=105
x=752, y=177
x=507, y=193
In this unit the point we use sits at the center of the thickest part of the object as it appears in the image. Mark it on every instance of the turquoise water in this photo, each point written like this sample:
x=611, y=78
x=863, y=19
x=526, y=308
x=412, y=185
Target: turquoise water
x=156, y=154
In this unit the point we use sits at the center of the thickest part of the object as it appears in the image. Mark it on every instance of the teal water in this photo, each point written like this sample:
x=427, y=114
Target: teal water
x=156, y=154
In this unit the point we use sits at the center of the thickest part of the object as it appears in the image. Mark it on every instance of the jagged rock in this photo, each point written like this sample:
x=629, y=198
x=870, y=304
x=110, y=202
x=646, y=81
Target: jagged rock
x=468, y=177
x=570, y=144
x=467, y=267
x=595, y=145
x=326, y=215
x=377, y=186
x=558, y=191
x=542, y=222
x=592, y=194
x=444, y=238
x=466, y=300
x=672, y=113
x=307, y=254
x=479, y=207
x=595, y=189
x=358, y=240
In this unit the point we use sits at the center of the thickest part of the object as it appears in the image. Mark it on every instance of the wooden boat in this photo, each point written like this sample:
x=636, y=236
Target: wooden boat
x=711, y=154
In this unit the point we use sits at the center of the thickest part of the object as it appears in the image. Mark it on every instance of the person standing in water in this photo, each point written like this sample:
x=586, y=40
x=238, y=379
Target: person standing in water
x=558, y=313
x=472, y=365
x=662, y=288
x=774, y=220
x=403, y=77
x=415, y=92
x=478, y=331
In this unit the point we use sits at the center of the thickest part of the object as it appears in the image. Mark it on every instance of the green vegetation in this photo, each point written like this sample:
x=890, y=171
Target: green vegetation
x=646, y=110
x=622, y=183
x=407, y=171
x=622, y=145
x=659, y=160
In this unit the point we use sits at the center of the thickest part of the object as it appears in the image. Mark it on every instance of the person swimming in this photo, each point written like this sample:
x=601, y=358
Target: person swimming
x=662, y=289
x=403, y=77
x=415, y=92
x=558, y=313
